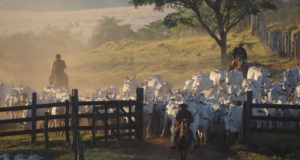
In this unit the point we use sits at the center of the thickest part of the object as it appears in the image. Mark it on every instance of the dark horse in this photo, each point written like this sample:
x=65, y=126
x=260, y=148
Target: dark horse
x=184, y=141
x=240, y=65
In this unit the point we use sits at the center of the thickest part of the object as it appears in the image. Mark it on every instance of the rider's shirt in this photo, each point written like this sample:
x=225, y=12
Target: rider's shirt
x=58, y=66
x=184, y=114
x=240, y=52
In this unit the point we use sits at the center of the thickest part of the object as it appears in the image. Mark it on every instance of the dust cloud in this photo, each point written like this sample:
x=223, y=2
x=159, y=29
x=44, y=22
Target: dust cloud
x=29, y=41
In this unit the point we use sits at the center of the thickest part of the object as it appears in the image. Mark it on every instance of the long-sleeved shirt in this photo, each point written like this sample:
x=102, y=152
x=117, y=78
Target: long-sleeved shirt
x=184, y=114
x=240, y=52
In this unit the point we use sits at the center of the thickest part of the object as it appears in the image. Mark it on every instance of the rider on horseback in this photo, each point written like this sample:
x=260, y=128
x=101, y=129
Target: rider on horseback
x=240, y=52
x=58, y=75
x=182, y=116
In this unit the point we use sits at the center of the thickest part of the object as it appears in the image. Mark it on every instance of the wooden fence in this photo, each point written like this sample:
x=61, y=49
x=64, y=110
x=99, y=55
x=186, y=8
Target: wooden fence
x=105, y=111
x=286, y=43
x=248, y=126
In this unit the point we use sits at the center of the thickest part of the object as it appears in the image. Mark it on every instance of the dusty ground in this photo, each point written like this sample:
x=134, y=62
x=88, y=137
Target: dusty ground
x=159, y=149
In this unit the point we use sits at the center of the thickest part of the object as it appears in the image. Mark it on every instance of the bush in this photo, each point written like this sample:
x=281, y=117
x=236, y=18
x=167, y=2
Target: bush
x=108, y=29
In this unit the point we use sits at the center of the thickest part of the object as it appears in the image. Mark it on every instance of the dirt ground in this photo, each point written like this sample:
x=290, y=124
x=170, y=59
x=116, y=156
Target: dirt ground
x=158, y=149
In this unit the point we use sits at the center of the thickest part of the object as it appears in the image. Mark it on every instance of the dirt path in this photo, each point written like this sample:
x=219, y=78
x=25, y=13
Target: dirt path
x=158, y=149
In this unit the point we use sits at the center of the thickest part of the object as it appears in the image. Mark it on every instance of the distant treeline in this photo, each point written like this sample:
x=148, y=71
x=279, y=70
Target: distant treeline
x=109, y=29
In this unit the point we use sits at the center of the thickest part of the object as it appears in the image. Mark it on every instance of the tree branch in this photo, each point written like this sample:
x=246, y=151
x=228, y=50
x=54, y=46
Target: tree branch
x=236, y=21
x=205, y=26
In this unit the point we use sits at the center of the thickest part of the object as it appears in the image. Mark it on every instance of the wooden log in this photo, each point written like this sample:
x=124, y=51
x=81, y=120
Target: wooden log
x=46, y=131
x=33, y=117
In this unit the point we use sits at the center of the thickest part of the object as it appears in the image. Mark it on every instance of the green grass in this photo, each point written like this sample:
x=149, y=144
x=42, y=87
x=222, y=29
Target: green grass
x=60, y=150
x=176, y=59
x=266, y=146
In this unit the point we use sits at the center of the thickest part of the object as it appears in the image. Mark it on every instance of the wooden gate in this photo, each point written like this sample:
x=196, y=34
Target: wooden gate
x=248, y=119
x=105, y=111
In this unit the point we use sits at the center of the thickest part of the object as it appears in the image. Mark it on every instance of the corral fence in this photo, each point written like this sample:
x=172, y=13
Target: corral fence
x=118, y=119
x=286, y=43
x=249, y=127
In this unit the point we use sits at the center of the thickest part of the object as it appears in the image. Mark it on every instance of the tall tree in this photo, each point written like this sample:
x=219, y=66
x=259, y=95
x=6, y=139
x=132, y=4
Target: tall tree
x=217, y=17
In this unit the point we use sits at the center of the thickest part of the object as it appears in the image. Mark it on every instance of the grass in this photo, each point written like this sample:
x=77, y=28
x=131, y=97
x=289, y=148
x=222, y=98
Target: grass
x=261, y=147
x=265, y=146
x=60, y=150
x=176, y=59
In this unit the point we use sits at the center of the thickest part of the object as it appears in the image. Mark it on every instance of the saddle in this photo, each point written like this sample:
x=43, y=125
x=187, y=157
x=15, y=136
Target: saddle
x=240, y=65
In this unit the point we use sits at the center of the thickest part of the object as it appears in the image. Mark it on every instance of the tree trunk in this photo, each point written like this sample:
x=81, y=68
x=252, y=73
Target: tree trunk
x=223, y=49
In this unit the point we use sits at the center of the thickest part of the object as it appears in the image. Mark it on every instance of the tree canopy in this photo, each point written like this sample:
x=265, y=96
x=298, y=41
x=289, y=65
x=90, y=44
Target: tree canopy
x=217, y=17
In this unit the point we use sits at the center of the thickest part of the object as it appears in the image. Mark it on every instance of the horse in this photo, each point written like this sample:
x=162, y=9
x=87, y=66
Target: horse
x=61, y=79
x=240, y=65
x=184, y=141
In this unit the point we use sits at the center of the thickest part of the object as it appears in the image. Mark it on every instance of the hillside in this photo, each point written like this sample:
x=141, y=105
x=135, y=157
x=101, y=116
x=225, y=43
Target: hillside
x=176, y=59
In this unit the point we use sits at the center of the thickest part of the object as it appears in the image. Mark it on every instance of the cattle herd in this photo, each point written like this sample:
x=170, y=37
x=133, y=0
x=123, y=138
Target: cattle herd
x=215, y=101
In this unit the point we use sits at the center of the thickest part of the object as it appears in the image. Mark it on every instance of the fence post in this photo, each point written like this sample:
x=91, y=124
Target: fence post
x=46, y=130
x=139, y=114
x=67, y=133
x=106, y=123
x=75, y=132
x=129, y=120
x=118, y=122
x=248, y=115
x=80, y=148
x=94, y=125
x=33, y=118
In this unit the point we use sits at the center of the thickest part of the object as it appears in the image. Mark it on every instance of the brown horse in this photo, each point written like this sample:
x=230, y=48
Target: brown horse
x=240, y=65
x=184, y=141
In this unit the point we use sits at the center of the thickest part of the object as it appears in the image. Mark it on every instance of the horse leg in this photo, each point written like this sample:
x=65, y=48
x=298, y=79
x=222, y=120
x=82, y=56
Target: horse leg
x=163, y=134
x=185, y=152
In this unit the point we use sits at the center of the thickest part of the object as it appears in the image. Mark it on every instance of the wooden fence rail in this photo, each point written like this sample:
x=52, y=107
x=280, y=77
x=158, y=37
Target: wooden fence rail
x=248, y=128
x=100, y=113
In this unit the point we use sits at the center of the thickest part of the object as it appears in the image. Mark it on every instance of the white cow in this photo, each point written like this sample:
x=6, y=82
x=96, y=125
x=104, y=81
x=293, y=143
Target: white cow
x=218, y=77
x=129, y=88
x=28, y=113
x=111, y=92
x=234, y=78
x=261, y=75
x=297, y=93
x=163, y=90
x=12, y=99
x=188, y=86
x=233, y=121
x=275, y=91
x=201, y=83
x=4, y=90
x=147, y=117
x=290, y=80
x=170, y=114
